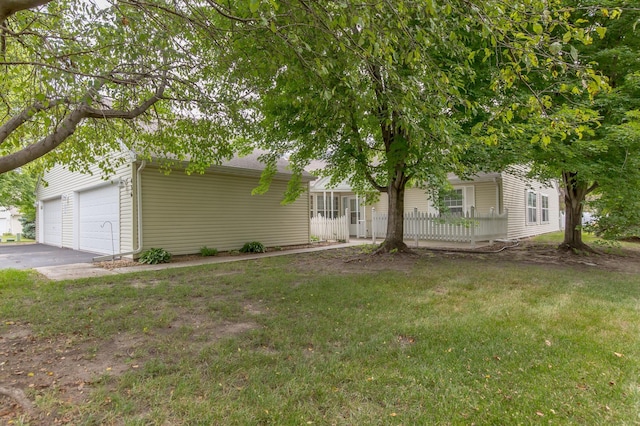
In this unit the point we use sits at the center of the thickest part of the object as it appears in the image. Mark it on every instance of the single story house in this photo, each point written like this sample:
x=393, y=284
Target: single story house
x=528, y=207
x=140, y=207
x=10, y=221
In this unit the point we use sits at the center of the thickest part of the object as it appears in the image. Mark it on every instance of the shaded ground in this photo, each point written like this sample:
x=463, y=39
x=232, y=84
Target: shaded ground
x=68, y=365
x=354, y=260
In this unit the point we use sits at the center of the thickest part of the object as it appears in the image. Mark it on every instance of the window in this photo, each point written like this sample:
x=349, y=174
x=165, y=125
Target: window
x=454, y=202
x=324, y=207
x=544, y=208
x=532, y=207
x=312, y=212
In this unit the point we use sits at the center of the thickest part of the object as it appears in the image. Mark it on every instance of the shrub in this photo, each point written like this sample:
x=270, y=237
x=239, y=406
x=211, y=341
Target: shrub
x=253, y=247
x=154, y=256
x=28, y=228
x=206, y=251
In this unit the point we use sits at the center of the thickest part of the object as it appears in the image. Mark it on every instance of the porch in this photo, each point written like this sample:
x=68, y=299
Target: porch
x=419, y=227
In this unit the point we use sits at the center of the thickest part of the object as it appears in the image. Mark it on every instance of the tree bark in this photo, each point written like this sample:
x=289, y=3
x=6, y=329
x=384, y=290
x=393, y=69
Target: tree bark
x=66, y=128
x=395, y=221
x=575, y=193
x=9, y=7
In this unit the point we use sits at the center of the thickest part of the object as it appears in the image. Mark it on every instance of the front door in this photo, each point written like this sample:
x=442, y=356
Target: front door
x=355, y=216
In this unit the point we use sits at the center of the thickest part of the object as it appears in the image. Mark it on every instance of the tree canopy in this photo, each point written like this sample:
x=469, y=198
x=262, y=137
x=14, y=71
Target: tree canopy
x=77, y=74
x=589, y=140
x=386, y=93
x=394, y=92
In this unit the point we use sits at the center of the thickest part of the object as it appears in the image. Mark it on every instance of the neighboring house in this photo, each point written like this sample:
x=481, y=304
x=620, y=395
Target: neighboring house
x=532, y=207
x=141, y=207
x=10, y=221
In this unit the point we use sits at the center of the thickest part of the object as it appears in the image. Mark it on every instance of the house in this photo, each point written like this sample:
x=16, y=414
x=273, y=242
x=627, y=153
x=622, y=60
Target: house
x=140, y=207
x=528, y=207
x=10, y=221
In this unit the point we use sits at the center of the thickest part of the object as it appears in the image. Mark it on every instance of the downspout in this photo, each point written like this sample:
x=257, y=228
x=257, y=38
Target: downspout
x=139, y=218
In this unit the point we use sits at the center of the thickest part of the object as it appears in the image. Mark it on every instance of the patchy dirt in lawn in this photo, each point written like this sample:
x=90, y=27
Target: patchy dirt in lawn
x=66, y=367
x=354, y=260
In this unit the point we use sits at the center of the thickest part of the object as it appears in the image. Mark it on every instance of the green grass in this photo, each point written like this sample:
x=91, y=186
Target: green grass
x=9, y=238
x=446, y=342
x=587, y=238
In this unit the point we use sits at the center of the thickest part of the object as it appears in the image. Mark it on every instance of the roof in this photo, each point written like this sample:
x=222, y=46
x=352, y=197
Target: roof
x=251, y=164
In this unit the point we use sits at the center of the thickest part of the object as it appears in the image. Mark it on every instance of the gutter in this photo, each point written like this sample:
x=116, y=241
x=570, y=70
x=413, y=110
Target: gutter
x=139, y=219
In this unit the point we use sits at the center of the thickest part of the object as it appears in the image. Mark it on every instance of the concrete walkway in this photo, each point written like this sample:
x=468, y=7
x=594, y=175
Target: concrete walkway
x=88, y=270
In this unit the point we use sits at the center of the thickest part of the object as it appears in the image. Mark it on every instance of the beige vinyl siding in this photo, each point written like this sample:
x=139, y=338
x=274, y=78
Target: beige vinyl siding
x=413, y=197
x=514, y=192
x=486, y=197
x=416, y=198
x=182, y=213
x=64, y=184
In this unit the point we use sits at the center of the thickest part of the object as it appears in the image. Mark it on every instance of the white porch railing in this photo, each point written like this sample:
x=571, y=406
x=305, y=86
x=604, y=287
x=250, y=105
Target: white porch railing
x=469, y=228
x=326, y=228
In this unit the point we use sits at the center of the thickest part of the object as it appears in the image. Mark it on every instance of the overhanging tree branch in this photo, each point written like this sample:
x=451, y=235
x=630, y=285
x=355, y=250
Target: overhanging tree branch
x=7, y=128
x=69, y=125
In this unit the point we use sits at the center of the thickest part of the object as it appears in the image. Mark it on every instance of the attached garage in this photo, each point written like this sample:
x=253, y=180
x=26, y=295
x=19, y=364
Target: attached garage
x=140, y=207
x=99, y=220
x=52, y=222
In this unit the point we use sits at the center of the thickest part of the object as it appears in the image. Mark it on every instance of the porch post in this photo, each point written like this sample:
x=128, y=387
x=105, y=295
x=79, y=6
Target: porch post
x=357, y=217
x=473, y=227
x=346, y=224
x=364, y=218
x=324, y=203
x=373, y=225
x=333, y=208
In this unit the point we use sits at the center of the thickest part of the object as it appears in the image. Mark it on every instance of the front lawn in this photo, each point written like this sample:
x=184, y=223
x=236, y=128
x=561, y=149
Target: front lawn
x=315, y=339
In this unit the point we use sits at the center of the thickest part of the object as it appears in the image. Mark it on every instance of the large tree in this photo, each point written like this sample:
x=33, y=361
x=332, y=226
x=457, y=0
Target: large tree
x=382, y=91
x=595, y=159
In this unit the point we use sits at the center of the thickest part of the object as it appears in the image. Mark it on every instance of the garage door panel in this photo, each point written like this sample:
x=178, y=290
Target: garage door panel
x=98, y=214
x=52, y=222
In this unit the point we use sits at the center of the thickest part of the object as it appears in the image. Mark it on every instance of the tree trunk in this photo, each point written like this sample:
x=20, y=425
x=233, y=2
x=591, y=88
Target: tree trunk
x=575, y=193
x=395, y=218
x=573, y=224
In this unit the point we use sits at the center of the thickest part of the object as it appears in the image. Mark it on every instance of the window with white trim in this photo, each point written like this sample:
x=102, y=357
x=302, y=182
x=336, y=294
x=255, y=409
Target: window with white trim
x=544, y=208
x=324, y=207
x=454, y=202
x=532, y=207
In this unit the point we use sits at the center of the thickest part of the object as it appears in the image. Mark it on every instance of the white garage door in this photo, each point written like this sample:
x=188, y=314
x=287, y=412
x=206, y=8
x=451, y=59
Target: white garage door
x=52, y=222
x=3, y=225
x=99, y=215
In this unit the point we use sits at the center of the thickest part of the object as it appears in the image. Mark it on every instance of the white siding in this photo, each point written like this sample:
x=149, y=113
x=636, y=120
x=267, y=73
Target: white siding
x=182, y=213
x=10, y=220
x=63, y=184
x=514, y=190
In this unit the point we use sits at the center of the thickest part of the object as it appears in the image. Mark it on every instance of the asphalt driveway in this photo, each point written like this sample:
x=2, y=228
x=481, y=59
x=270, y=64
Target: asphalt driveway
x=28, y=256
